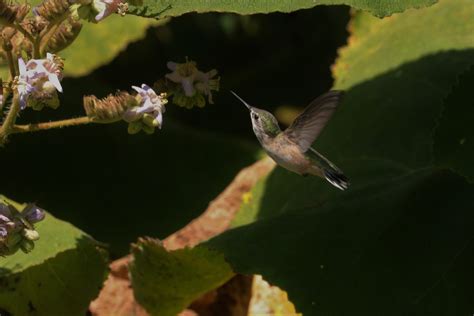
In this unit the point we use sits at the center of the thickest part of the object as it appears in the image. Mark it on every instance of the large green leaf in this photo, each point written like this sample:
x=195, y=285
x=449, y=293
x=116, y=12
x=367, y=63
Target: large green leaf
x=163, y=8
x=60, y=276
x=100, y=43
x=454, y=140
x=400, y=240
x=397, y=245
x=167, y=282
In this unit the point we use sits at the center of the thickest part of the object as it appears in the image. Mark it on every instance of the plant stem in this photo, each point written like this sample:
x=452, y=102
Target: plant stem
x=7, y=125
x=34, y=41
x=24, y=32
x=11, y=64
x=34, y=127
x=50, y=31
x=47, y=36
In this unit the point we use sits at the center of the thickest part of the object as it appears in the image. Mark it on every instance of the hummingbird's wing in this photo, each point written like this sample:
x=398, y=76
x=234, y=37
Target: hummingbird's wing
x=309, y=124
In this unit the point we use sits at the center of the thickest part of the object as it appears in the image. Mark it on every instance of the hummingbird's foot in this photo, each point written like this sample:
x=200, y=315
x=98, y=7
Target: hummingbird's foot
x=305, y=174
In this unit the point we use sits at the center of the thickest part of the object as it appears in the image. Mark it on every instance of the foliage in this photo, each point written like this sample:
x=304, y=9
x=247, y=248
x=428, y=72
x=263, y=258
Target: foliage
x=99, y=44
x=160, y=8
x=65, y=261
x=165, y=282
x=400, y=239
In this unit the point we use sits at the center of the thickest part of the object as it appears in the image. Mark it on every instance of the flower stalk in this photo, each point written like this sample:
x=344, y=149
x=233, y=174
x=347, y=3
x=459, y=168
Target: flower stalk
x=34, y=127
x=7, y=125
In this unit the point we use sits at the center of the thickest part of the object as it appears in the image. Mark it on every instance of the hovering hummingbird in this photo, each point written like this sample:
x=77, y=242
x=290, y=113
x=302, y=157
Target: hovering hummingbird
x=291, y=148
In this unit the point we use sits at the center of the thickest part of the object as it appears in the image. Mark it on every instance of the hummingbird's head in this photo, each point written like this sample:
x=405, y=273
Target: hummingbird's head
x=264, y=123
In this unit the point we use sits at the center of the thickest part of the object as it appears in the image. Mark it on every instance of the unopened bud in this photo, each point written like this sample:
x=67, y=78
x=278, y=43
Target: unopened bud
x=110, y=108
x=7, y=14
x=64, y=36
x=30, y=234
x=13, y=240
x=21, y=11
x=150, y=120
x=148, y=129
x=27, y=245
x=134, y=127
x=52, y=10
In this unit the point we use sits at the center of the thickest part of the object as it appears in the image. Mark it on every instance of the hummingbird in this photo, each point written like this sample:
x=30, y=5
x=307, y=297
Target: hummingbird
x=291, y=148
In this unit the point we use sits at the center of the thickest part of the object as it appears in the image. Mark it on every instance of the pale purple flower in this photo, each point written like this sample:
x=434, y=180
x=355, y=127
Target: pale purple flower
x=38, y=77
x=150, y=103
x=105, y=8
x=16, y=229
x=185, y=74
x=33, y=214
x=6, y=222
x=193, y=80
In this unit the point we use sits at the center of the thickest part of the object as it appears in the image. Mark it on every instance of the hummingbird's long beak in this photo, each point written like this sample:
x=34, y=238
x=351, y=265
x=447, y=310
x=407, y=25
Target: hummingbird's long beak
x=241, y=100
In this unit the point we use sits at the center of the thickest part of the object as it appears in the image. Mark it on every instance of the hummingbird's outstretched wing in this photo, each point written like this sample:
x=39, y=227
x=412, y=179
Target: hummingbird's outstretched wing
x=309, y=124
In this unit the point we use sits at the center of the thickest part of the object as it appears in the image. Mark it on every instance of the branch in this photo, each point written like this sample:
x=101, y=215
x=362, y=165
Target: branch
x=7, y=125
x=34, y=127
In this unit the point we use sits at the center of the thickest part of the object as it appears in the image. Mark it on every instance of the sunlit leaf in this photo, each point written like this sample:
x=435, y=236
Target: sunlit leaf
x=62, y=274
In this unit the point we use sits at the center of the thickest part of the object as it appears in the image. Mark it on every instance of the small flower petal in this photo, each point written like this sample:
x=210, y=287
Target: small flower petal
x=33, y=214
x=53, y=78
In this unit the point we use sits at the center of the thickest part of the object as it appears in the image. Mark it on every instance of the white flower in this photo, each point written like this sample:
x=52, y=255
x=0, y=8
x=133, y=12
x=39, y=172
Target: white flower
x=151, y=105
x=39, y=78
x=105, y=8
x=193, y=80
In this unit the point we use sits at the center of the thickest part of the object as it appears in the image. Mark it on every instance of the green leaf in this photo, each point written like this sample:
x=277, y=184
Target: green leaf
x=396, y=84
x=454, y=139
x=164, y=8
x=400, y=239
x=98, y=44
x=397, y=245
x=167, y=282
x=62, y=274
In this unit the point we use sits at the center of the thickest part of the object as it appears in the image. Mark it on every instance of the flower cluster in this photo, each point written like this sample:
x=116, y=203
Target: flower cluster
x=143, y=111
x=16, y=228
x=191, y=84
x=148, y=114
x=38, y=81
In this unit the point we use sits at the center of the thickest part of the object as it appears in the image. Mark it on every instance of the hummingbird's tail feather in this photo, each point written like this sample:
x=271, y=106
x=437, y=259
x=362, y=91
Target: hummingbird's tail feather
x=327, y=169
x=336, y=178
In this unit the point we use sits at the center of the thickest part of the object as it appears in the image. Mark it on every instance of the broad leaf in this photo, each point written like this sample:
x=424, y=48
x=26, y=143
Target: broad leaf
x=100, y=43
x=397, y=245
x=454, y=140
x=400, y=239
x=167, y=282
x=62, y=274
x=164, y=8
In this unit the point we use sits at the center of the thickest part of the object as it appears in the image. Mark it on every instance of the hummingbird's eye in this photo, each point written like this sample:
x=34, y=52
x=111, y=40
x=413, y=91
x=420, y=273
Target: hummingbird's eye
x=255, y=116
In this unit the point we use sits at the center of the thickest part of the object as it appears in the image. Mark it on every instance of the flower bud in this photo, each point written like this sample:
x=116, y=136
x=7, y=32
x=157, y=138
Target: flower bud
x=33, y=214
x=12, y=240
x=16, y=228
x=134, y=127
x=21, y=10
x=64, y=36
x=109, y=109
x=30, y=234
x=52, y=10
x=27, y=245
x=150, y=120
x=148, y=129
x=7, y=14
